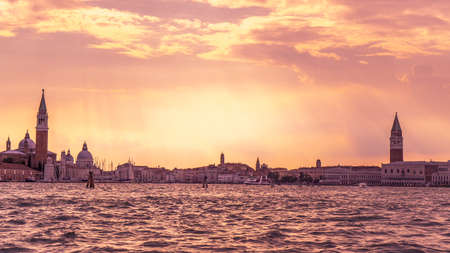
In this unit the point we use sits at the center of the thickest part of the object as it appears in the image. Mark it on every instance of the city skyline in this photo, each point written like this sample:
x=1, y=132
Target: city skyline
x=176, y=83
x=395, y=131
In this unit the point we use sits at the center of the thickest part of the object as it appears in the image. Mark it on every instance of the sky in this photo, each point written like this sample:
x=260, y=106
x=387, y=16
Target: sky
x=176, y=82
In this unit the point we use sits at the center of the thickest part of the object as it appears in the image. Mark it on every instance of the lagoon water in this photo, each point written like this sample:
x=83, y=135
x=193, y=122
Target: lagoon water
x=186, y=218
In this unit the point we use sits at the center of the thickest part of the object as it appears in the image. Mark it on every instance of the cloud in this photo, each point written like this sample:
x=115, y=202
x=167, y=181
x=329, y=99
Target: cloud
x=188, y=10
x=328, y=70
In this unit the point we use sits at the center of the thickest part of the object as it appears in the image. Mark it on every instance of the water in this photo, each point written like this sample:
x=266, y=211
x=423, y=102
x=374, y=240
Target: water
x=186, y=218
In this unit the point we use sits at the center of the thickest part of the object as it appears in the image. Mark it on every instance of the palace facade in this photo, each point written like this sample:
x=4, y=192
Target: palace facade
x=410, y=173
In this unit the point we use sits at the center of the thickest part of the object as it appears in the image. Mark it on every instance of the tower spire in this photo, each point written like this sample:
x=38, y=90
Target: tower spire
x=43, y=106
x=396, y=141
x=396, y=124
x=8, y=144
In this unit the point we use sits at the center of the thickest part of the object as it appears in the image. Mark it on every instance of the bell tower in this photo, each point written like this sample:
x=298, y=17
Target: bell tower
x=396, y=142
x=41, y=135
x=8, y=144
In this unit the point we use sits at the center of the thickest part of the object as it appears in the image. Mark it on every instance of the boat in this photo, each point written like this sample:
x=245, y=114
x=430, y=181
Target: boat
x=257, y=181
x=362, y=185
x=251, y=181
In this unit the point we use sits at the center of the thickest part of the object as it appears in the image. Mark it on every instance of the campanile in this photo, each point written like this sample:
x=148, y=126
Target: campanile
x=396, y=141
x=41, y=134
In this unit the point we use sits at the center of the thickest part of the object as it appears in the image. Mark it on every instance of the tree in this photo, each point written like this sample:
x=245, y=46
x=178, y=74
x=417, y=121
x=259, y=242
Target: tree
x=288, y=179
x=8, y=160
x=274, y=176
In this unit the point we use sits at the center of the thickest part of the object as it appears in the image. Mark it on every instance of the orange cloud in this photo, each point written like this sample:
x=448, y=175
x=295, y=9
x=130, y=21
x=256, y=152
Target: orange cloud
x=289, y=80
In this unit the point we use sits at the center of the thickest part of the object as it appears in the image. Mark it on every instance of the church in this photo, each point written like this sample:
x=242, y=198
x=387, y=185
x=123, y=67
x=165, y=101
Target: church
x=36, y=156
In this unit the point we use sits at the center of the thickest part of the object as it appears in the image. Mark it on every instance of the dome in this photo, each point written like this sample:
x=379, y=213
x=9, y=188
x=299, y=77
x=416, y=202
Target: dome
x=85, y=155
x=69, y=157
x=31, y=144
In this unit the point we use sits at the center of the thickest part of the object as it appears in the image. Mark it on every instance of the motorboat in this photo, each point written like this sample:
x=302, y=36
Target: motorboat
x=263, y=180
x=362, y=185
x=251, y=181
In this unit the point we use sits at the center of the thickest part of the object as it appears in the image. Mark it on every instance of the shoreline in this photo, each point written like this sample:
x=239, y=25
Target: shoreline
x=178, y=183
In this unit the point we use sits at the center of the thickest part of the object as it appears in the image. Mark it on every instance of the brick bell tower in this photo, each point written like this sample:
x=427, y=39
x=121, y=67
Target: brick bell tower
x=41, y=135
x=396, y=141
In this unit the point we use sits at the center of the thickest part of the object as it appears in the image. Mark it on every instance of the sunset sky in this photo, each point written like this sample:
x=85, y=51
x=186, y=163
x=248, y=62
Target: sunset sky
x=176, y=82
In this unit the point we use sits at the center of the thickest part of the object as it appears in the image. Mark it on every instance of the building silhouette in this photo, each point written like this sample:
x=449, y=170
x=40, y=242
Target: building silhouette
x=396, y=142
x=222, y=159
x=41, y=135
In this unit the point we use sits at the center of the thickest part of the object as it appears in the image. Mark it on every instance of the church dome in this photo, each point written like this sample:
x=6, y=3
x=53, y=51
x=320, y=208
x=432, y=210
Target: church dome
x=84, y=155
x=69, y=157
x=31, y=144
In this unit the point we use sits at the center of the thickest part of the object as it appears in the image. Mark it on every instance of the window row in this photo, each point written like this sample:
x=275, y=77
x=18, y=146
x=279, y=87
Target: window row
x=403, y=171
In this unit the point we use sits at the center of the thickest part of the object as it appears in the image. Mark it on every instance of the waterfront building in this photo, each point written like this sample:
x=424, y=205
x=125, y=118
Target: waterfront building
x=442, y=176
x=362, y=174
x=261, y=169
x=409, y=173
x=343, y=174
x=18, y=172
x=197, y=175
x=223, y=173
x=84, y=158
x=37, y=156
x=316, y=173
x=49, y=171
x=30, y=153
x=70, y=170
x=283, y=172
x=351, y=175
x=240, y=171
x=334, y=175
x=129, y=172
x=225, y=178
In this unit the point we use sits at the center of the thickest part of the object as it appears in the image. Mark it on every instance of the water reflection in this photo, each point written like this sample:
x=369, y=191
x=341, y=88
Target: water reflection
x=167, y=218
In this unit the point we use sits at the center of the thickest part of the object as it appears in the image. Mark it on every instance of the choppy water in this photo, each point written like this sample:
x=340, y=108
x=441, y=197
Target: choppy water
x=177, y=218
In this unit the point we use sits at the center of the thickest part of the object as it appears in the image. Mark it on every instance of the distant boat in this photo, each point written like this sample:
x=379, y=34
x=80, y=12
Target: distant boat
x=251, y=181
x=362, y=185
x=257, y=181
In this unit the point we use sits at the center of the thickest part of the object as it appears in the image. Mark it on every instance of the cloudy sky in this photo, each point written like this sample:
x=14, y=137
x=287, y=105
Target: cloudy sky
x=176, y=82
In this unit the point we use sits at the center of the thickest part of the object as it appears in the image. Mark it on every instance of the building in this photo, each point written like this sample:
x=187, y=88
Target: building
x=18, y=172
x=67, y=169
x=316, y=173
x=410, y=173
x=29, y=153
x=347, y=175
x=396, y=142
x=129, y=172
x=261, y=169
x=222, y=159
x=41, y=152
x=37, y=156
x=442, y=176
